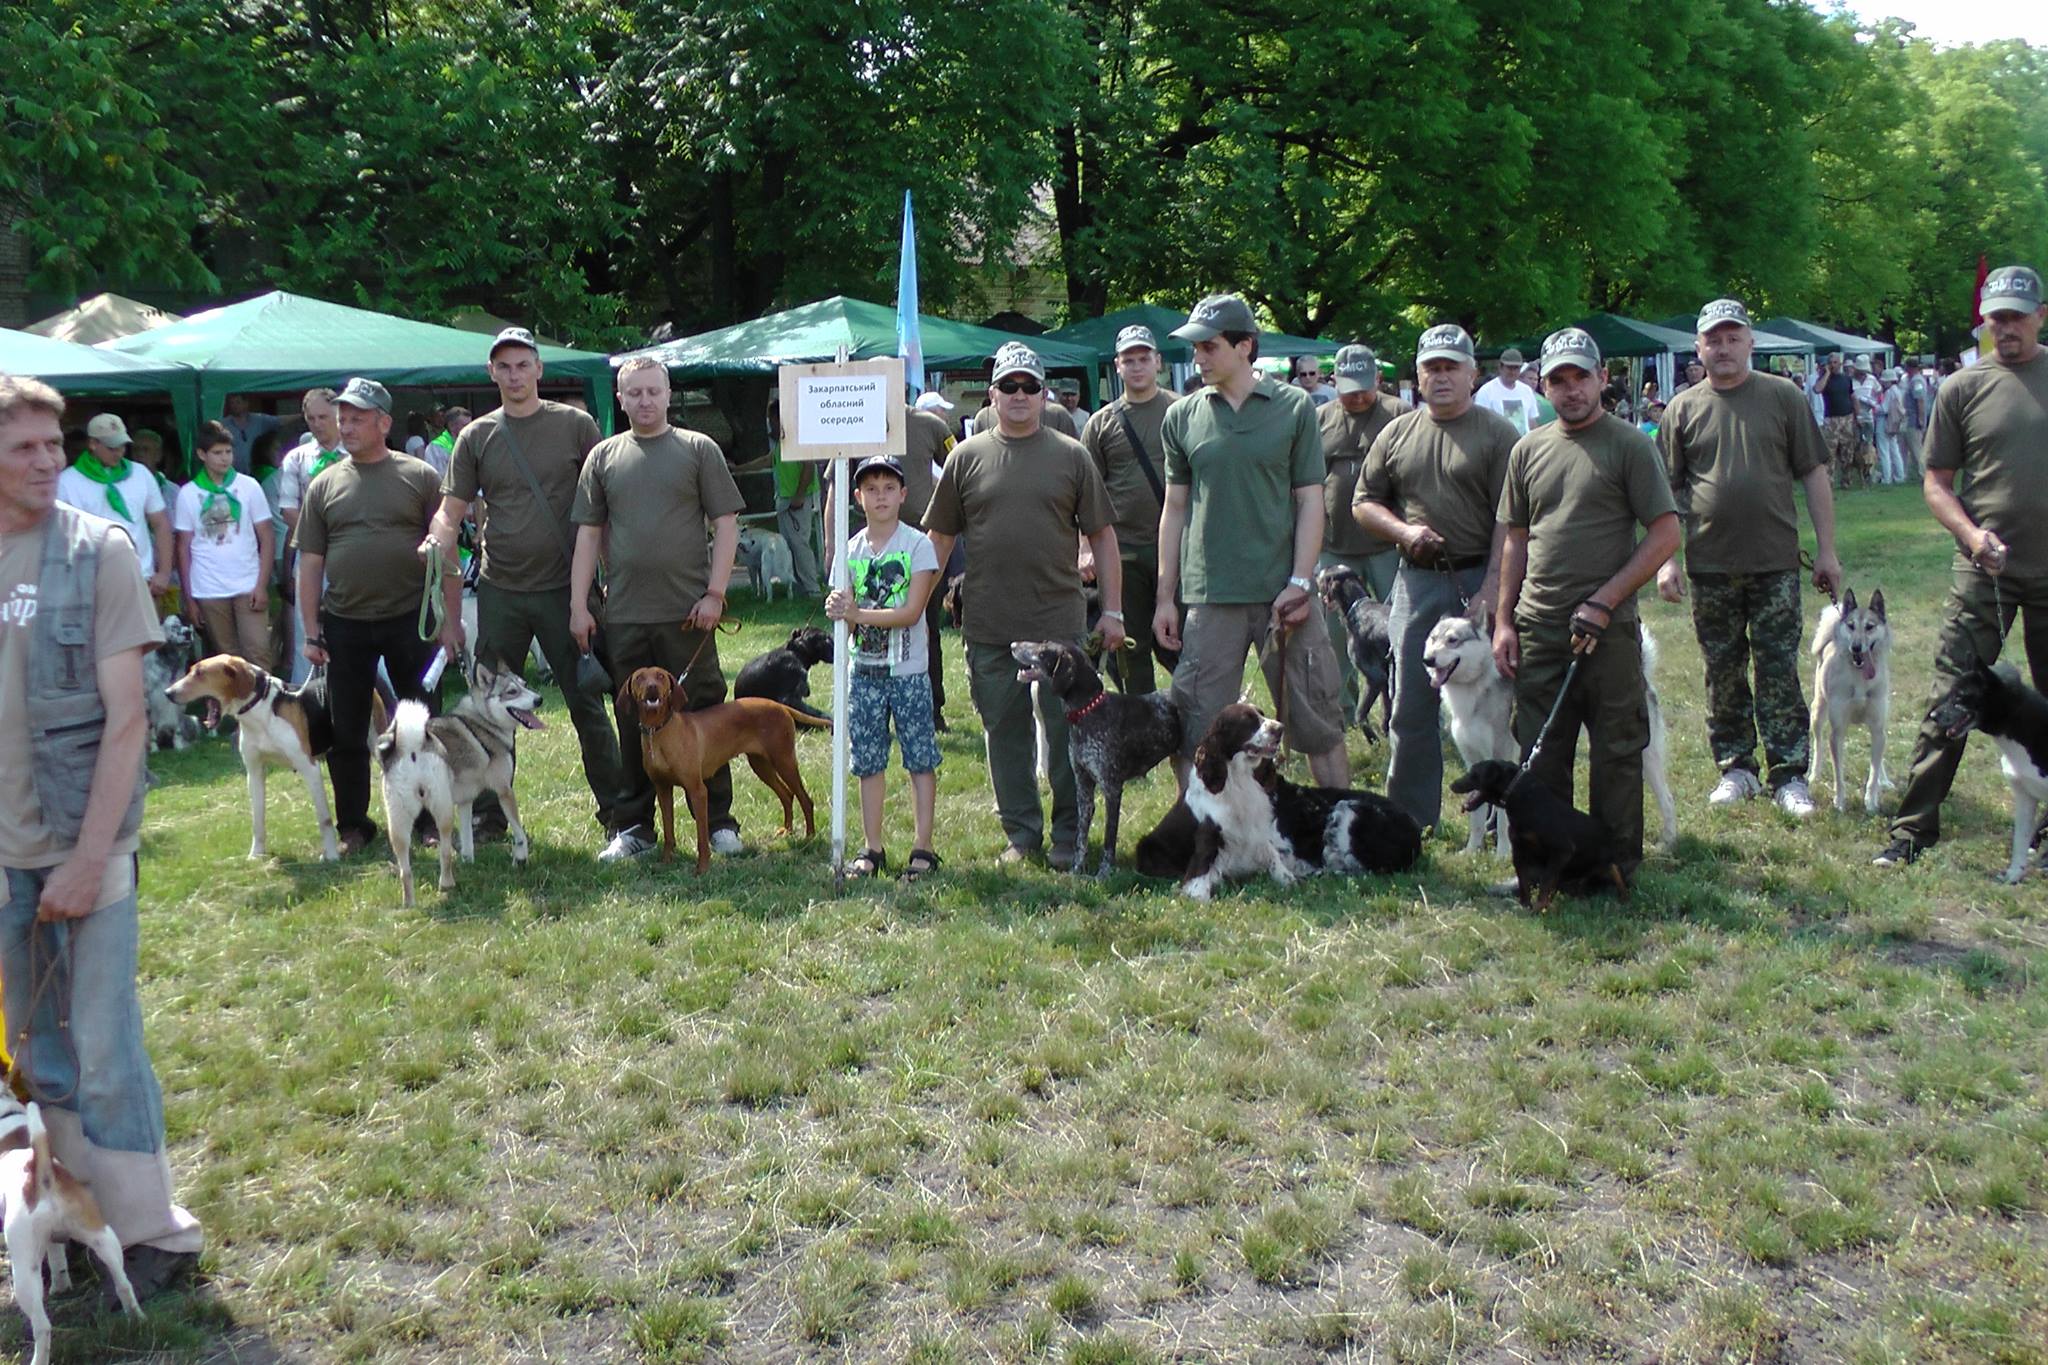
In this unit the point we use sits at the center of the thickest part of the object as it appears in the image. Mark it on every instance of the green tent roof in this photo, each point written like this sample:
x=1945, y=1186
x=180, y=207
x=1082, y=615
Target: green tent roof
x=1618, y=338
x=1099, y=334
x=287, y=341
x=813, y=333
x=1827, y=338
x=1767, y=343
x=76, y=369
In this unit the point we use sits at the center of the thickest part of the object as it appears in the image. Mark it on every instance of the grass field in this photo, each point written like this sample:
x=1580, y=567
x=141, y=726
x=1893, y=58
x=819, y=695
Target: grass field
x=1782, y=1106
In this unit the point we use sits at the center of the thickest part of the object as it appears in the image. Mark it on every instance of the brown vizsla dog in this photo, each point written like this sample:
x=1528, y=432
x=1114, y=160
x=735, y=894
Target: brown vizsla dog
x=679, y=748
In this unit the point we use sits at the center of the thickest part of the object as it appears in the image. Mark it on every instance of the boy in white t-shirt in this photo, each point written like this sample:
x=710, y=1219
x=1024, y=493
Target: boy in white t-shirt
x=222, y=523
x=891, y=568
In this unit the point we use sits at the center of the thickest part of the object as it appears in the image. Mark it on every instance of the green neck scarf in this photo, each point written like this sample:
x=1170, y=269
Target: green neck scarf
x=109, y=479
x=322, y=460
x=203, y=477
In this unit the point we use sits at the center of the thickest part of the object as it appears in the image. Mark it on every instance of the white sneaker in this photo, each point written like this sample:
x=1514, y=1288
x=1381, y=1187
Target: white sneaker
x=627, y=843
x=726, y=841
x=1737, y=784
x=1794, y=799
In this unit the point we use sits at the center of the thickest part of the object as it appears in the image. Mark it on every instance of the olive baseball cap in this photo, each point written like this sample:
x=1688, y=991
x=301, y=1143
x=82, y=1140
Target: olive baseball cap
x=1569, y=346
x=1135, y=335
x=515, y=336
x=1512, y=356
x=1719, y=313
x=365, y=393
x=2011, y=289
x=1014, y=357
x=108, y=430
x=1215, y=315
x=1445, y=341
x=1358, y=370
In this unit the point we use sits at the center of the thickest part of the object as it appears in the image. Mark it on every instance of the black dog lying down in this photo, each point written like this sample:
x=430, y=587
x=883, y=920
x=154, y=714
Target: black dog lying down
x=784, y=674
x=1241, y=817
x=1556, y=847
x=1112, y=738
x=1368, y=640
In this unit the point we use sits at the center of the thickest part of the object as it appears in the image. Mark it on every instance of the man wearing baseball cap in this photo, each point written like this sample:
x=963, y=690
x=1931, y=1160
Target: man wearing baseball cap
x=1239, y=535
x=522, y=458
x=1577, y=489
x=1123, y=438
x=1018, y=493
x=360, y=583
x=1347, y=427
x=1990, y=426
x=106, y=483
x=1733, y=448
x=1429, y=489
x=1510, y=394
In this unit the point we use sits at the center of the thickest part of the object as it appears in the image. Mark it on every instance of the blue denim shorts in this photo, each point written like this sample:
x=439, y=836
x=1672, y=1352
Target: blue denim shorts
x=870, y=702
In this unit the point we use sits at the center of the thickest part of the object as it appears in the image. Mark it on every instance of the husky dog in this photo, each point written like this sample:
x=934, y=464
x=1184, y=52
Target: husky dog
x=170, y=726
x=1459, y=658
x=1993, y=699
x=441, y=764
x=1852, y=685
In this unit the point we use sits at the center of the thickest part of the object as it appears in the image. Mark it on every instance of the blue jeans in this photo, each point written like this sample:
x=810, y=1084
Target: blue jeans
x=90, y=964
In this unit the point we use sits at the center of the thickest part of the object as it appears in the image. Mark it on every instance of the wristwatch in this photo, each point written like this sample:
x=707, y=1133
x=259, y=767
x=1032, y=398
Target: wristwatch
x=1301, y=583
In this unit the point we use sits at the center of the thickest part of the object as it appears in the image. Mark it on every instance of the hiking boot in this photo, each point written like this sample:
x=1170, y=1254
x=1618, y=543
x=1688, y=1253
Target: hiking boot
x=626, y=845
x=726, y=842
x=1900, y=852
x=1794, y=799
x=1063, y=858
x=1737, y=784
x=151, y=1271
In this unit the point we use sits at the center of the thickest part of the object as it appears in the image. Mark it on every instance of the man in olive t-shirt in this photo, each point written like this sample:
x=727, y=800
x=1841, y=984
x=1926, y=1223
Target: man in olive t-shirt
x=1348, y=428
x=1244, y=478
x=644, y=500
x=1019, y=493
x=1131, y=474
x=1429, y=487
x=1576, y=492
x=1987, y=484
x=522, y=592
x=359, y=532
x=1733, y=447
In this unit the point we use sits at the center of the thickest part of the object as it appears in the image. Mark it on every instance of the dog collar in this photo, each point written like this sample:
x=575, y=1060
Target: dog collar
x=1093, y=705
x=262, y=693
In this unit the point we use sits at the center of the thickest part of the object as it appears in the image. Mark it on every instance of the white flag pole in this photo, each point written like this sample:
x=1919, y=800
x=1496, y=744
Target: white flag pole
x=842, y=662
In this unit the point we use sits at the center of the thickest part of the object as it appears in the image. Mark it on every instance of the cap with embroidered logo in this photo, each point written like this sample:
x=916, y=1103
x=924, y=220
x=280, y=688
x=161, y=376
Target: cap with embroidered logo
x=1358, y=370
x=874, y=462
x=365, y=393
x=1721, y=312
x=1569, y=346
x=1215, y=315
x=1134, y=336
x=2011, y=289
x=1445, y=341
x=1014, y=357
x=108, y=430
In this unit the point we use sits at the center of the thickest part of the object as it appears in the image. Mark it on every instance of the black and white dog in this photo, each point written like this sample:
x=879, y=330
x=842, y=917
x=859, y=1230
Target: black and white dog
x=1367, y=639
x=170, y=725
x=784, y=674
x=1248, y=819
x=1994, y=700
x=1112, y=738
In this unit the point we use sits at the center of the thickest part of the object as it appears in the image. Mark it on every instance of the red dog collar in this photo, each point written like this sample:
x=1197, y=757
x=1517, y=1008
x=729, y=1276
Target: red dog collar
x=1100, y=697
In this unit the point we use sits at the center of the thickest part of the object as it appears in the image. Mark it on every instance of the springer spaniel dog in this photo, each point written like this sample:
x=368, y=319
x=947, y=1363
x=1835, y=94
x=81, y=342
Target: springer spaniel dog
x=1248, y=819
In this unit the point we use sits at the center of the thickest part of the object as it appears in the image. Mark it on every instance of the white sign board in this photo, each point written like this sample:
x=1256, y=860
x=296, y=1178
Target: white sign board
x=837, y=411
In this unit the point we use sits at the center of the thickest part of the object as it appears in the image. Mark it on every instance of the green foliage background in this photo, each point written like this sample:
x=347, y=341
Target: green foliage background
x=599, y=166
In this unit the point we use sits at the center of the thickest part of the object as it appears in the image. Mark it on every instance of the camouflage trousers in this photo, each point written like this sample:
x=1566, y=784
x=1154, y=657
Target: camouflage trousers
x=1737, y=616
x=1845, y=444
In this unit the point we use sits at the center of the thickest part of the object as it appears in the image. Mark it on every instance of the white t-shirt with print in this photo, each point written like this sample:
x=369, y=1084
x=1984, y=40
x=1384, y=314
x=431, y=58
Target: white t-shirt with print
x=138, y=490
x=1518, y=404
x=224, y=549
x=881, y=580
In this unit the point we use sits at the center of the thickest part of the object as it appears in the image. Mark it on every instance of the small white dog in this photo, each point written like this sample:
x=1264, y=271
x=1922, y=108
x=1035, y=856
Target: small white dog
x=1852, y=685
x=1459, y=658
x=45, y=1205
x=766, y=555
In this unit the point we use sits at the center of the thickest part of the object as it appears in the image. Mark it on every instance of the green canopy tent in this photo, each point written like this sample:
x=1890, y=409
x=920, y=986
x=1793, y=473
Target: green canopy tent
x=814, y=332
x=282, y=341
x=1099, y=335
x=1825, y=339
x=80, y=370
x=1767, y=342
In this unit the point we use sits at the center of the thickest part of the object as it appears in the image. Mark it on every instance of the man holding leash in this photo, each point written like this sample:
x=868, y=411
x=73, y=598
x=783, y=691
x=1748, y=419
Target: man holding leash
x=361, y=585
x=1123, y=440
x=522, y=459
x=1733, y=447
x=1348, y=428
x=75, y=621
x=1429, y=487
x=644, y=501
x=1576, y=491
x=1990, y=426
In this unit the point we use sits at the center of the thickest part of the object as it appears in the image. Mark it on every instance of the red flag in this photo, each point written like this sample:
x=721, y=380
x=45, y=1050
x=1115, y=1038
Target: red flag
x=1977, y=298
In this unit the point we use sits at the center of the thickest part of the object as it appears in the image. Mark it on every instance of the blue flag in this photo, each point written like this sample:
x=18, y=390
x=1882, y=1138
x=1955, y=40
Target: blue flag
x=909, y=340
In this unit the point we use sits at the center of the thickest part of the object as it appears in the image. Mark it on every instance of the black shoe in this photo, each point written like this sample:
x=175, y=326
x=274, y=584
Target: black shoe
x=151, y=1271
x=1900, y=852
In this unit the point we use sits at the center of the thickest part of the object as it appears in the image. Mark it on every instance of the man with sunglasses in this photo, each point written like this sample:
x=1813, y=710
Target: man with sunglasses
x=1244, y=482
x=1307, y=373
x=1019, y=493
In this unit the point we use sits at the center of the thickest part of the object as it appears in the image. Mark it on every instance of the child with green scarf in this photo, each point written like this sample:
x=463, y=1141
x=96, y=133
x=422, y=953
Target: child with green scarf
x=225, y=550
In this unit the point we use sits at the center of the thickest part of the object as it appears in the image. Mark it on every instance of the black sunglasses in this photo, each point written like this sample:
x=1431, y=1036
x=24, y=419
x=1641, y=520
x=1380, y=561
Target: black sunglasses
x=1019, y=386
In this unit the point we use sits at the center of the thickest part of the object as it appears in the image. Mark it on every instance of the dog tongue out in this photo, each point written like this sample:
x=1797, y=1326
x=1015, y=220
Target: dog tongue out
x=1868, y=668
x=526, y=718
x=209, y=715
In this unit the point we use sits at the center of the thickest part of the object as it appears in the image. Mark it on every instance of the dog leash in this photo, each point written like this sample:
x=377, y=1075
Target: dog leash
x=431, y=611
x=718, y=628
x=43, y=977
x=1571, y=671
x=1806, y=563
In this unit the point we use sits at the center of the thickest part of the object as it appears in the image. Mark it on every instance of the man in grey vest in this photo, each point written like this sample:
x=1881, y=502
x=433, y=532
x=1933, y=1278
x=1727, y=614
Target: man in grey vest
x=75, y=621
